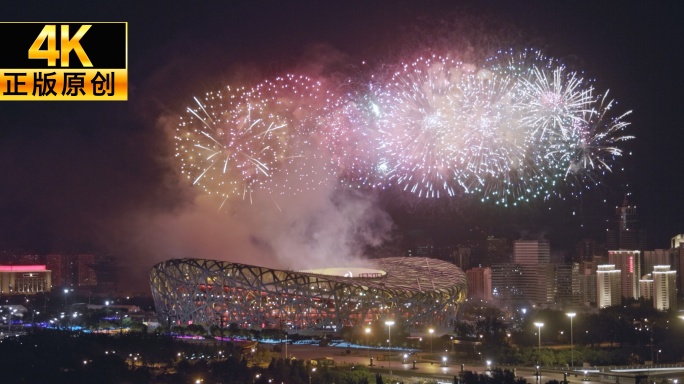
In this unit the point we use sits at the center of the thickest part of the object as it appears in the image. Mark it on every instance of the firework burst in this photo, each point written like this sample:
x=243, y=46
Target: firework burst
x=516, y=127
x=236, y=141
x=506, y=131
x=592, y=143
x=419, y=110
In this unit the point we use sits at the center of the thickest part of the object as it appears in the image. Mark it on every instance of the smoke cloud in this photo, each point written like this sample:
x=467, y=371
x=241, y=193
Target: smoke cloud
x=323, y=224
x=326, y=226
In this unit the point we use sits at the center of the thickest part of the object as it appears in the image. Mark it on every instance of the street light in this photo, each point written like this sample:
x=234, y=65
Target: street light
x=571, y=315
x=539, y=325
x=432, y=331
x=368, y=331
x=66, y=291
x=389, y=324
x=310, y=373
x=33, y=319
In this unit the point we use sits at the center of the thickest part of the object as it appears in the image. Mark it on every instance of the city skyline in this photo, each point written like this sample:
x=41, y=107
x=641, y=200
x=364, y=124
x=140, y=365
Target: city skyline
x=101, y=176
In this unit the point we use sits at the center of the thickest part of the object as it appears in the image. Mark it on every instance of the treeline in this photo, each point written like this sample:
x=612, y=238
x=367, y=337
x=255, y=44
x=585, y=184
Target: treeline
x=56, y=356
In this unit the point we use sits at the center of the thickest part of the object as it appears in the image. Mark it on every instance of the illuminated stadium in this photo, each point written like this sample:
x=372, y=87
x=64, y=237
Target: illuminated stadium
x=417, y=290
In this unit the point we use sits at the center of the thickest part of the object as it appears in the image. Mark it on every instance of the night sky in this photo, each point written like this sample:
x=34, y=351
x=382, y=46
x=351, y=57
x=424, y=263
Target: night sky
x=101, y=176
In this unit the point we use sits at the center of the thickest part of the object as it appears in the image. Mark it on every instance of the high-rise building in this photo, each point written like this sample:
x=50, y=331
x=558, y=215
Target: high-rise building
x=587, y=284
x=664, y=288
x=585, y=250
x=531, y=252
x=567, y=284
x=461, y=257
x=629, y=263
x=72, y=270
x=506, y=280
x=657, y=257
x=646, y=286
x=498, y=250
x=608, y=286
x=677, y=252
x=425, y=247
x=85, y=270
x=587, y=277
x=56, y=262
x=30, y=258
x=545, y=289
x=480, y=283
x=626, y=234
x=107, y=273
x=533, y=257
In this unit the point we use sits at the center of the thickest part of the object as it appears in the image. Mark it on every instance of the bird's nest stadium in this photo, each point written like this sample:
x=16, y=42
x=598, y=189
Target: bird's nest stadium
x=417, y=290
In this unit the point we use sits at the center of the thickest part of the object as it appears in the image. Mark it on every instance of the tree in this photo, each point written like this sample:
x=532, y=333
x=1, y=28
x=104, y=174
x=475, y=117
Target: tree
x=195, y=329
x=138, y=327
x=497, y=376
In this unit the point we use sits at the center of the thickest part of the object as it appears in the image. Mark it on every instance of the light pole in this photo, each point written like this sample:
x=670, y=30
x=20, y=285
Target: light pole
x=310, y=373
x=539, y=326
x=432, y=331
x=66, y=291
x=652, y=326
x=571, y=315
x=389, y=324
x=33, y=319
x=368, y=330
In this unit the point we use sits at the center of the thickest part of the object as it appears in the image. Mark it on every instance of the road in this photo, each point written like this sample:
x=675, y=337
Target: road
x=434, y=369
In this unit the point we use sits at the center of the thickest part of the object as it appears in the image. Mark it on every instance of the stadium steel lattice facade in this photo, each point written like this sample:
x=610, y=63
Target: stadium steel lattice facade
x=417, y=290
